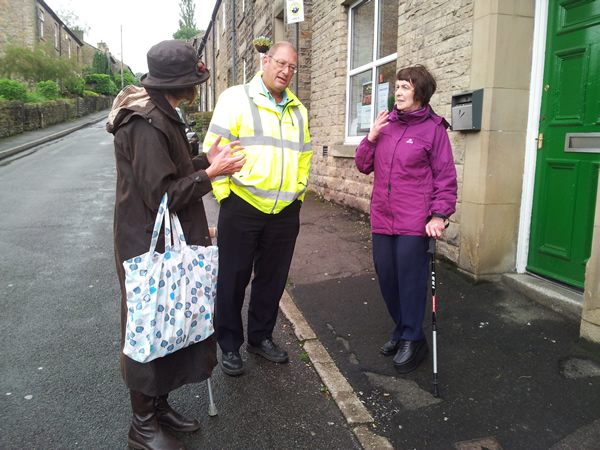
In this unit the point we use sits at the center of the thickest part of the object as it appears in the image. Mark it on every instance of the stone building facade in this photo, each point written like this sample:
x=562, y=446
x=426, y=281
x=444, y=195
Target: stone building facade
x=30, y=22
x=517, y=211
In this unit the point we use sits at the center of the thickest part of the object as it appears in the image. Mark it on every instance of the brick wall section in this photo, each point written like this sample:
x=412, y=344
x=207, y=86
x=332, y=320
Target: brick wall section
x=335, y=178
x=18, y=21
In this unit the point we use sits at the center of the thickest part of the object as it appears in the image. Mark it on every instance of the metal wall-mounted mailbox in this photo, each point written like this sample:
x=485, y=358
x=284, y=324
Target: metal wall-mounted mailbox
x=466, y=111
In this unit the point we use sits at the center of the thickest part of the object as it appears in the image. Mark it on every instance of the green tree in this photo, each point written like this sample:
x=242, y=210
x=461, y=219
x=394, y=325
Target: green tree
x=187, y=21
x=37, y=64
x=187, y=12
x=101, y=64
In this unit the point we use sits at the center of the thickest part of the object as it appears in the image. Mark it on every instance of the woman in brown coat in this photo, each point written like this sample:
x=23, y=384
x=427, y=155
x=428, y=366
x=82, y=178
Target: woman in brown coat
x=153, y=157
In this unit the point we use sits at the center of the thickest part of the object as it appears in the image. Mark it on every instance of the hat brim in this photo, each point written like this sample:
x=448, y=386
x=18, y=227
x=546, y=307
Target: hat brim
x=188, y=80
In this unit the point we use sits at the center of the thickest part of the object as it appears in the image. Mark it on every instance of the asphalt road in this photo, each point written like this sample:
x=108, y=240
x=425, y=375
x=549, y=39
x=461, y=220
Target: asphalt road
x=60, y=383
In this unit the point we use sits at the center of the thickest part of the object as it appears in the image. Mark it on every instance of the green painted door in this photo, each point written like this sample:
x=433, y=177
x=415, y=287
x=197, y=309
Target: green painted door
x=566, y=178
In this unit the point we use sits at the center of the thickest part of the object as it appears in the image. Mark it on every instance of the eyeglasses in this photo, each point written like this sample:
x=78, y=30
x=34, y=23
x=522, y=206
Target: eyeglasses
x=283, y=65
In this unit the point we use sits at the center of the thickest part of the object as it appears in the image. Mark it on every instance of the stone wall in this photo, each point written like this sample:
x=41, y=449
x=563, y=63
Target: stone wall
x=17, y=117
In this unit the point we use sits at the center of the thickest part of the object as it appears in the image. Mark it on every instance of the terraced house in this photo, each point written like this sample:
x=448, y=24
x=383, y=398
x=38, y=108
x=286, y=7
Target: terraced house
x=518, y=80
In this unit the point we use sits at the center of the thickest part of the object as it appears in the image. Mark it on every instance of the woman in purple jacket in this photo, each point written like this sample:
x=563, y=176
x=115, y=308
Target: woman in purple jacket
x=414, y=193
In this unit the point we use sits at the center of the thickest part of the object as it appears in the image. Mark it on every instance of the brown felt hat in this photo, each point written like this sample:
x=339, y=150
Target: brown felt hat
x=174, y=64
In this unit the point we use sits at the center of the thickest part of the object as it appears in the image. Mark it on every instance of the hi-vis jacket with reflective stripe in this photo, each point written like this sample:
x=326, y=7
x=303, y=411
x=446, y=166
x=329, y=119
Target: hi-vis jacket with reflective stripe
x=277, y=147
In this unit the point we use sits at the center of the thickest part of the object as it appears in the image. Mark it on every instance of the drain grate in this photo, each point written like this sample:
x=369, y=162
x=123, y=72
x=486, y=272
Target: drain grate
x=488, y=443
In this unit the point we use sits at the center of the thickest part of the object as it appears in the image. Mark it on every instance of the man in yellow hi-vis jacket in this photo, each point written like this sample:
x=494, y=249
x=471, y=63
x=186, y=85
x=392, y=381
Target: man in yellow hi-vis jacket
x=259, y=217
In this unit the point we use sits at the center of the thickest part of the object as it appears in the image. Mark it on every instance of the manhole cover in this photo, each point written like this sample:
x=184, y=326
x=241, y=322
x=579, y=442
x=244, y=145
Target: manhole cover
x=489, y=443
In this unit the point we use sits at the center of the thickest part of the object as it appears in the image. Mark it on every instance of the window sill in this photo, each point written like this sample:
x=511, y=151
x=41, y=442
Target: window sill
x=342, y=151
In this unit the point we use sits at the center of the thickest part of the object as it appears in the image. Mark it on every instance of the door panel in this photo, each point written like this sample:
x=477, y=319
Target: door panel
x=566, y=182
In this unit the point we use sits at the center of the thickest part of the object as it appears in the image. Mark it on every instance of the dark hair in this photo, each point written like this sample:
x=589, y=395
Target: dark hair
x=421, y=79
x=186, y=93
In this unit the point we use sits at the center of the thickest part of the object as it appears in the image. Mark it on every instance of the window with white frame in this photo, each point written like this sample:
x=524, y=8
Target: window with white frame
x=56, y=35
x=69, y=46
x=372, y=55
x=41, y=22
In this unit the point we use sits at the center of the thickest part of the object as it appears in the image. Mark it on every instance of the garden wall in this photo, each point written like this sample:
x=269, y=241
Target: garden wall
x=17, y=117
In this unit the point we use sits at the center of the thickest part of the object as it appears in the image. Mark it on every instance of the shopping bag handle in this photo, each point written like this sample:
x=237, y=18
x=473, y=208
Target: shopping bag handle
x=162, y=216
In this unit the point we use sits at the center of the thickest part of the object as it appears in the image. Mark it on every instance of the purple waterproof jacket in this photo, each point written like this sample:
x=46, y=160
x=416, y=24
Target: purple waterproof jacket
x=415, y=176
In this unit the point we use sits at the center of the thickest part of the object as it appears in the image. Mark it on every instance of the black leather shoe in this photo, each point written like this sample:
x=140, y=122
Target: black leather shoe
x=410, y=354
x=269, y=350
x=232, y=364
x=390, y=347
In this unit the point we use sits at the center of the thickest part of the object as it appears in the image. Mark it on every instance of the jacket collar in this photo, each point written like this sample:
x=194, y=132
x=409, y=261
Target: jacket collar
x=418, y=116
x=257, y=94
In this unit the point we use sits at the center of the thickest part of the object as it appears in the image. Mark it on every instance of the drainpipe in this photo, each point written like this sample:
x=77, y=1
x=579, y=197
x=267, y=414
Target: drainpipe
x=296, y=43
x=233, y=40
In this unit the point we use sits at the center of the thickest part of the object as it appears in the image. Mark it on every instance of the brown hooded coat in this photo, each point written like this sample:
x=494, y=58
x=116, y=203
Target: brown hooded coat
x=153, y=157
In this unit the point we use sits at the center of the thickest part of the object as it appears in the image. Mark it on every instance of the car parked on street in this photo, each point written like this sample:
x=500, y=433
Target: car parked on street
x=192, y=136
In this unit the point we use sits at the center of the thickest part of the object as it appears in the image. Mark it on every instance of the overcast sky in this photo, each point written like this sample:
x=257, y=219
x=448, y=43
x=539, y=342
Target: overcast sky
x=145, y=23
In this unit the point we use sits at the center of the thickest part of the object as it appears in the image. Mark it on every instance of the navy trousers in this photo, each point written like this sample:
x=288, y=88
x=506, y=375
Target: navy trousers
x=250, y=239
x=402, y=266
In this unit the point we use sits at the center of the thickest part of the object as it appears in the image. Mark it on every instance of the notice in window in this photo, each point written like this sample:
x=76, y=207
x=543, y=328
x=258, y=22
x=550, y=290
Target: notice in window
x=383, y=91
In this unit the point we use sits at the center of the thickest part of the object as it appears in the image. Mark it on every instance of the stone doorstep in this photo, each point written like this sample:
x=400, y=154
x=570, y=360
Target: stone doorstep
x=557, y=298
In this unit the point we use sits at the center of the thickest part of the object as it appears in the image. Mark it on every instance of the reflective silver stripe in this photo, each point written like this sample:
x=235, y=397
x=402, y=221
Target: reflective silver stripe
x=258, y=128
x=220, y=177
x=216, y=129
x=298, y=114
x=271, y=195
x=274, y=142
x=259, y=137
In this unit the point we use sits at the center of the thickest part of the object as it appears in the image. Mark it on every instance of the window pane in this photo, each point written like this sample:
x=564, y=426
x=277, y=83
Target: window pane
x=360, y=104
x=362, y=34
x=388, y=27
x=386, y=85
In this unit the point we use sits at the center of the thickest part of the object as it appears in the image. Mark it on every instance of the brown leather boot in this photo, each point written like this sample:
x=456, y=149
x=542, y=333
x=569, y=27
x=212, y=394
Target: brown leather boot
x=145, y=432
x=168, y=417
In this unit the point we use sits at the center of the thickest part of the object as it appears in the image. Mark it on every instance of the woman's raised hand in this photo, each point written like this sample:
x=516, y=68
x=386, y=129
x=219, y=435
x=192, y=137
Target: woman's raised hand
x=225, y=160
x=380, y=121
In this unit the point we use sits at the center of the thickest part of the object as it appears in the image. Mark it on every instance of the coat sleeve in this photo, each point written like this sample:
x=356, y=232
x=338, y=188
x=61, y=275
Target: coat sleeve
x=365, y=156
x=304, y=162
x=226, y=123
x=443, y=171
x=154, y=170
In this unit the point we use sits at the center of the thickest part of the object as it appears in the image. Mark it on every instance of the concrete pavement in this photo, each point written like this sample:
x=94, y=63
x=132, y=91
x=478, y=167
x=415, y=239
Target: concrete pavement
x=512, y=373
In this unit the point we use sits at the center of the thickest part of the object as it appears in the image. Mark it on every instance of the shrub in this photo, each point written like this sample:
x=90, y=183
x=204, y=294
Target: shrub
x=75, y=85
x=34, y=97
x=12, y=90
x=48, y=89
x=101, y=84
x=87, y=93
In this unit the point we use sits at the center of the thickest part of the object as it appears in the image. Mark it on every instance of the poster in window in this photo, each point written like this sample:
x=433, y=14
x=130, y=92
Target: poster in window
x=365, y=117
x=383, y=91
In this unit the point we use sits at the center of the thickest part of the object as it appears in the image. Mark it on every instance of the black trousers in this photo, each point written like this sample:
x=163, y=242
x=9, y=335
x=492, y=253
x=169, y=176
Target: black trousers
x=402, y=266
x=249, y=238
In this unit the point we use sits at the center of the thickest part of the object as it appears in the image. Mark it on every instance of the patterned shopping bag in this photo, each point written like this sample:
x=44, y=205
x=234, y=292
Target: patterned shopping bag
x=171, y=295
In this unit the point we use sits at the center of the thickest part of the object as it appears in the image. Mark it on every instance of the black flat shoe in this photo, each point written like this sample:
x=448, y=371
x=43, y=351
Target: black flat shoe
x=269, y=350
x=409, y=355
x=232, y=364
x=390, y=347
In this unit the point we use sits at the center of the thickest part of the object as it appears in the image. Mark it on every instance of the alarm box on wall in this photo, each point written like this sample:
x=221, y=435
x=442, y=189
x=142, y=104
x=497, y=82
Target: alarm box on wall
x=466, y=111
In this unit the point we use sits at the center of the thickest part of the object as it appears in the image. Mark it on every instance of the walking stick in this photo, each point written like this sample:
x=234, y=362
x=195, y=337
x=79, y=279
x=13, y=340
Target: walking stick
x=212, y=408
x=431, y=250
